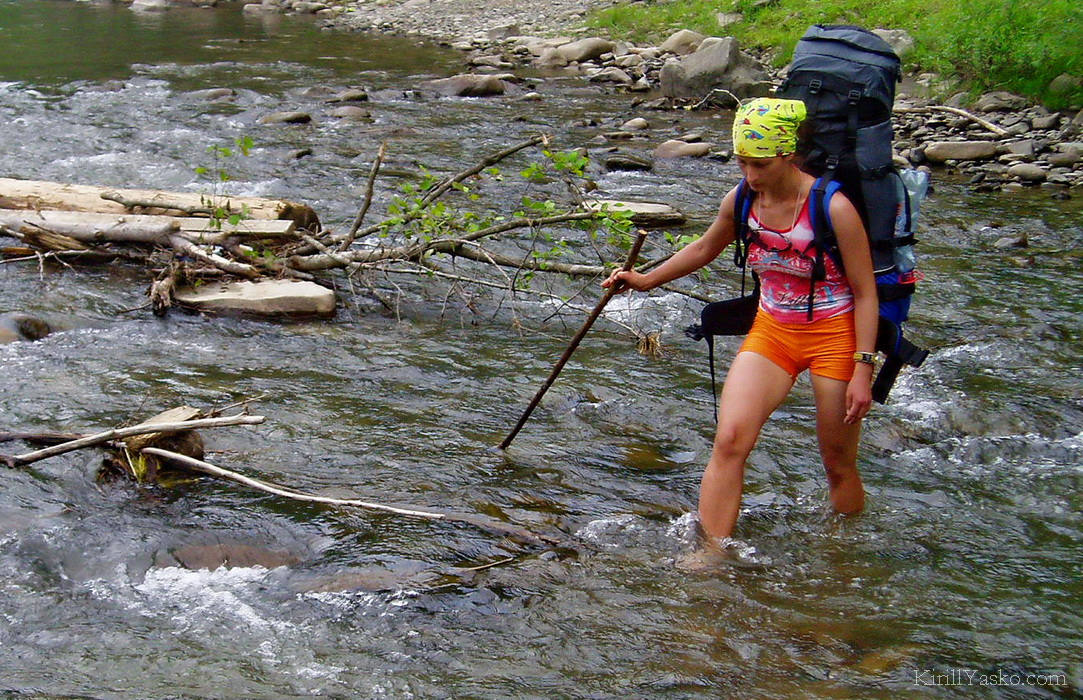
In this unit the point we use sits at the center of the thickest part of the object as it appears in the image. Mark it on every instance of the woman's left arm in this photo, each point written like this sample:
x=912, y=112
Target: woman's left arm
x=857, y=260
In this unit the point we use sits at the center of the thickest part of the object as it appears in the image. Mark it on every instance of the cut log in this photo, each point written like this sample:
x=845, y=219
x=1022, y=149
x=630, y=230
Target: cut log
x=94, y=227
x=646, y=214
x=144, y=468
x=39, y=194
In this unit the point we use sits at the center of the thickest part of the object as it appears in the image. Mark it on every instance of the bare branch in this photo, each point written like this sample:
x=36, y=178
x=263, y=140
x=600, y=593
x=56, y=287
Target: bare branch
x=352, y=235
x=183, y=245
x=953, y=110
x=142, y=429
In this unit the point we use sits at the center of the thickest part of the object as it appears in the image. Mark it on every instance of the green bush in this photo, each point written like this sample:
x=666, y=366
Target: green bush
x=990, y=44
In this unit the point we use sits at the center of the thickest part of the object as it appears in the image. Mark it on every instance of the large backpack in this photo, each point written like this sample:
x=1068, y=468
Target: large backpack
x=846, y=77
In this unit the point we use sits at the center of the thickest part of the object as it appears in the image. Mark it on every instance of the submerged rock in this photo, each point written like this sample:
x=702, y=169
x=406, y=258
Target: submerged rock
x=19, y=326
x=468, y=85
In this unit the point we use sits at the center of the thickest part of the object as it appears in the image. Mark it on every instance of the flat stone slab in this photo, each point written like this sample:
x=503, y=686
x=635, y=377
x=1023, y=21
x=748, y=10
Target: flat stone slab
x=268, y=298
x=643, y=213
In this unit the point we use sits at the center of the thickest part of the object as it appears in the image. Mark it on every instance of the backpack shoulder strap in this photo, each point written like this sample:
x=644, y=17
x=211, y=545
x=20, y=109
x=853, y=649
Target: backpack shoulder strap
x=823, y=233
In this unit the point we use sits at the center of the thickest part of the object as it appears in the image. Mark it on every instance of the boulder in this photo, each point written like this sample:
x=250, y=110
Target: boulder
x=586, y=49
x=213, y=94
x=717, y=64
x=551, y=58
x=468, y=85
x=635, y=124
x=941, y=151
x=265, y=298
x=681, y=149
x=999, y=102
x=1065, y=84
x=1027, y=172
x=683, y=42
x=643, y=213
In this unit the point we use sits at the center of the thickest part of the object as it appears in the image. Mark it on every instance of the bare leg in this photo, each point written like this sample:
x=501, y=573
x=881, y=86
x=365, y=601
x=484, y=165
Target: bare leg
x=754, y=388
x=838, y=445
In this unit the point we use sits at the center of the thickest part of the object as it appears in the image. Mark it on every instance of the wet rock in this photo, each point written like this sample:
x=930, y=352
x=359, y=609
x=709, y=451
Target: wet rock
x=213, y=94
x=718, y=63
x=1007, y=242
x=627, y=161
x=683, y=42
x=352, y=95
x=943, y=151
x=1028, y=172
x=635, y=124
x=468, y=85
x=681, y=149
x=224, y=554
x=611, y=74
x=551, y=58
x=586, y=49
x=20, y=326
x=150, y=5
x=280, y=298
x=351, y=113
x=286, y=118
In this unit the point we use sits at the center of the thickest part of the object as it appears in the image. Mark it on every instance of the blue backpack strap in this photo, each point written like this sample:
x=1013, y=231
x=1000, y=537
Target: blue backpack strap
x=819, y=204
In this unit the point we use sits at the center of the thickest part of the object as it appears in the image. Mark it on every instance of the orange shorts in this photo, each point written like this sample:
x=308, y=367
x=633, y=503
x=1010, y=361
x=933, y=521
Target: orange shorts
x=824, y=347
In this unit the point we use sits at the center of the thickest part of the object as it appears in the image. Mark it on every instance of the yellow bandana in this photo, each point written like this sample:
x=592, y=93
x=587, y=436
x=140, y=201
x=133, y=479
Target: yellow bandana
x=767, y=127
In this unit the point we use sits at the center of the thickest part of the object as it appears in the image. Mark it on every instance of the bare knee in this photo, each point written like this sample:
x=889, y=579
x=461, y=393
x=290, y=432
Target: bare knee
x=732, y=443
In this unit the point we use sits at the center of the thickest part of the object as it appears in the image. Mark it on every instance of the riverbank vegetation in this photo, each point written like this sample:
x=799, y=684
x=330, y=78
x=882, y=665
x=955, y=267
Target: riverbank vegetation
x=985, y=44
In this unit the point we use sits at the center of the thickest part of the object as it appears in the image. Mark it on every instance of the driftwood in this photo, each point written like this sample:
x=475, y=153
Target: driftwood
x=120, y=433
x=37, y=194
x=957, y=112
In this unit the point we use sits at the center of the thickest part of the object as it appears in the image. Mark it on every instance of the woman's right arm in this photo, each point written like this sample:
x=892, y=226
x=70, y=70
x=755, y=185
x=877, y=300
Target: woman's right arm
x=692, y=257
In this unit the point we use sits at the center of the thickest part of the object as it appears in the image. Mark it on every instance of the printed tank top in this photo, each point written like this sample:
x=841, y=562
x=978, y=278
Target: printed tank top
x=783, y=260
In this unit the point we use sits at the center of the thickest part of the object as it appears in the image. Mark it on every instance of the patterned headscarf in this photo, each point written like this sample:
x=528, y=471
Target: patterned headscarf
x=767, y=127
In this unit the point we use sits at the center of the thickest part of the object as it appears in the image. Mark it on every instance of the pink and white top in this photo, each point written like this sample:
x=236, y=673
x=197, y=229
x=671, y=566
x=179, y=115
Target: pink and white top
x=784, y=260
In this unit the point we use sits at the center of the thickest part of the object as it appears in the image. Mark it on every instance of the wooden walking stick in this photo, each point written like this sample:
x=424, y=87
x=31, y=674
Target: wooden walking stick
x=610, y=293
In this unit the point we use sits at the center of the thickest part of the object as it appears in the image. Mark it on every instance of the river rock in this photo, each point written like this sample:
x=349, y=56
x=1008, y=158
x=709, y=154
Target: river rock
x=647, y=214
x=468, y=85
x=627, y=161
x=266, y=298
x=1028, y=172
x=351, y=95
x=681, y=149
x=683, y=42
x=224, y=555
x=941, y=151
x=286, y=118
x=1064, y=84
x=20, y=326
x=999, y=102
x=586, y=49
x=551, y=58
x=725, y=19
x=1063, y=160
x=717, y=63
x=1046, y=121
x=611, y=74
x=213, y=94
x=351, y=113
x=635, y=124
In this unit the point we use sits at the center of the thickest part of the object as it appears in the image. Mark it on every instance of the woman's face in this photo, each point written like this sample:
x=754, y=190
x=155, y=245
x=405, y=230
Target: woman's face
x=763, y=172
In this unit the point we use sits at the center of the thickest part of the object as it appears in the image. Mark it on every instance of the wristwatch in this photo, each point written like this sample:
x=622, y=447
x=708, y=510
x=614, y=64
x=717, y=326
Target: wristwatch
x=868, y=358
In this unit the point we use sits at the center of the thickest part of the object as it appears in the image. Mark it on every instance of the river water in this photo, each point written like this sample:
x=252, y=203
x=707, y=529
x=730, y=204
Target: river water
x=965, y=567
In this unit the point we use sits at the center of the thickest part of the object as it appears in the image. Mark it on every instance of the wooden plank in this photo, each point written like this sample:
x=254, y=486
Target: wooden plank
x=261, y=228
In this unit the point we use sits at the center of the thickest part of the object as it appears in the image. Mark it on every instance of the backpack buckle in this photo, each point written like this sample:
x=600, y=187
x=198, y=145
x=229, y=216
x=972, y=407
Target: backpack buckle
x=814, y=86
x=853, y=97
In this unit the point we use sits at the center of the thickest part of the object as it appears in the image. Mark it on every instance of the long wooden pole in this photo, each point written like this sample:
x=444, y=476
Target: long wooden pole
x=610, y=293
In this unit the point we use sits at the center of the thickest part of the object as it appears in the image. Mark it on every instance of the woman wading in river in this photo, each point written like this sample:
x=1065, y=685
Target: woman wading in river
x=835, y=344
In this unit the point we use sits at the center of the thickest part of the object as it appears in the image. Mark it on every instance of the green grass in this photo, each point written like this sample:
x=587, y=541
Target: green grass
x=987, y=44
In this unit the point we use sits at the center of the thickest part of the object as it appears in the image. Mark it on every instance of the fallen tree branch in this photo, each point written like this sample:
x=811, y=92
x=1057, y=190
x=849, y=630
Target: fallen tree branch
x=369, y=188
x=186, y=247
x=486, y=162
x=118, y=433
x=999, y=131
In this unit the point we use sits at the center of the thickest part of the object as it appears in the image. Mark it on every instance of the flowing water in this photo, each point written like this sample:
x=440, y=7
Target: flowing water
x=964, y=568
